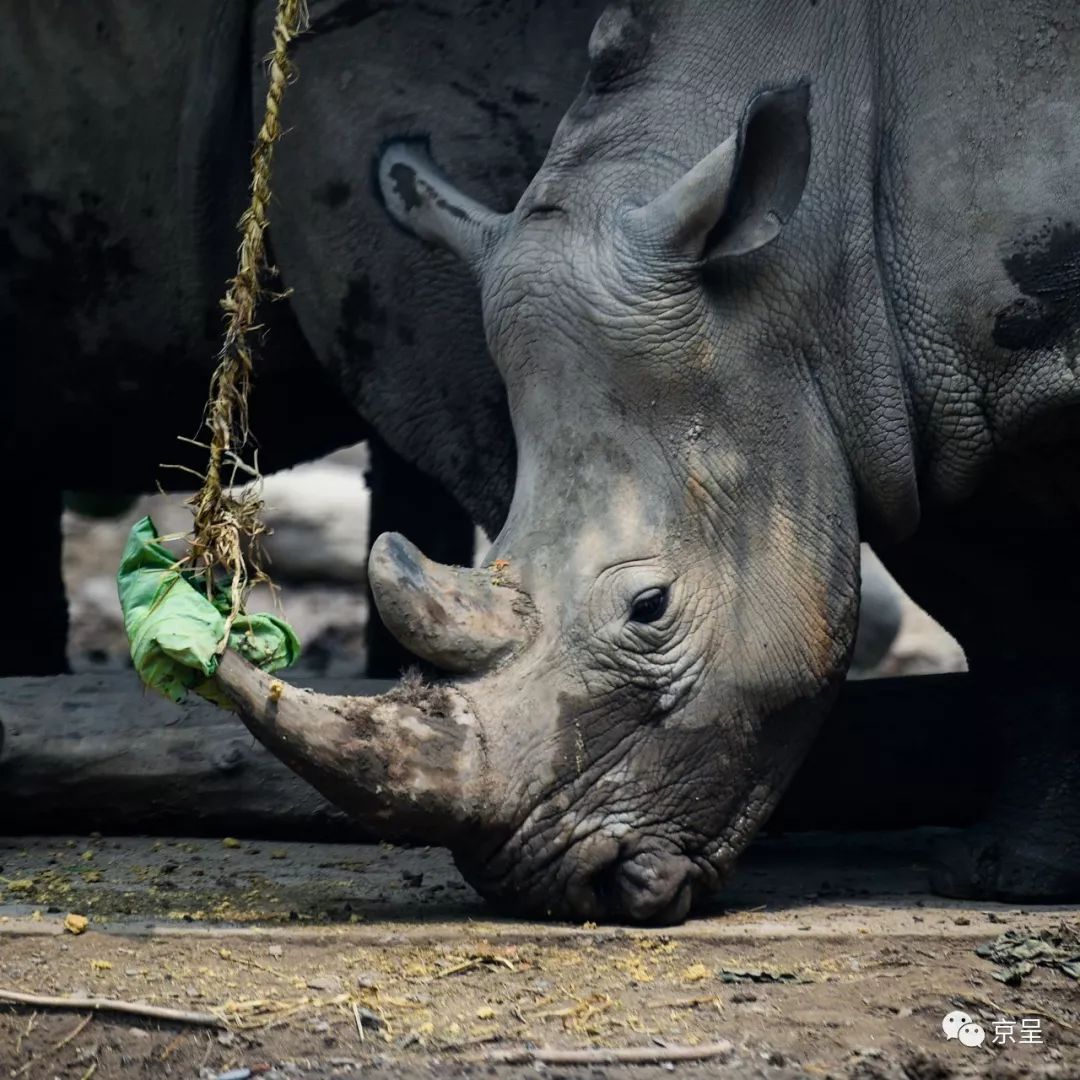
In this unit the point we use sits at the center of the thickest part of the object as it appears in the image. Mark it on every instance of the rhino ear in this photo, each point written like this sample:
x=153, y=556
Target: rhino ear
x=421, y=199
x=738, y=198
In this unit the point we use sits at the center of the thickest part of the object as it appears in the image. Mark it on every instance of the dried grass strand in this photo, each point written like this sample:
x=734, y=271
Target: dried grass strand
x=228, y=521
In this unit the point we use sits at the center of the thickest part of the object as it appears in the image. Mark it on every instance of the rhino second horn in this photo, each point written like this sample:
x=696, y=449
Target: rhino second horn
x=406, y=764
x=456, y=618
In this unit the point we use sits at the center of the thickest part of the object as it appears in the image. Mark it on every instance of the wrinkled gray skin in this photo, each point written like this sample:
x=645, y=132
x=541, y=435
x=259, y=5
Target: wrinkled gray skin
x=788, y=271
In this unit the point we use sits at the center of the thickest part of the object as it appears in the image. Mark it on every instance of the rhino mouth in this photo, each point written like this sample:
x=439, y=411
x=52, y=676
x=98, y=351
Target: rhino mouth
x=600, y=878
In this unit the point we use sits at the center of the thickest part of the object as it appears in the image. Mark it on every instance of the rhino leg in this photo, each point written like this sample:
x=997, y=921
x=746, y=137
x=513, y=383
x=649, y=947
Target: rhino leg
x=33, y=640
x=1007, y=588
x=1027, y=849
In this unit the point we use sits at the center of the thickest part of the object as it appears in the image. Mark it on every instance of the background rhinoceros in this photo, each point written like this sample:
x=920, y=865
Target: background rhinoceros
x=124, y=142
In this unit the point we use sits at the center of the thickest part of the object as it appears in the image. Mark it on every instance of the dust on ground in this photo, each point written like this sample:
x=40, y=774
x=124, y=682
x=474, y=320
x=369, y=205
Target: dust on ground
x=825, y=958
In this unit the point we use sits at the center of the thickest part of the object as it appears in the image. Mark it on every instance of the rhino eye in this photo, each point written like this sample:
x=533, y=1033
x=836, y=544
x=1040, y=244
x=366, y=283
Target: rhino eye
x=649, y=606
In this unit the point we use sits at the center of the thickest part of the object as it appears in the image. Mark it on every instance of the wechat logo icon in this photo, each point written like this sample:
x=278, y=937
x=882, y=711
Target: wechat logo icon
x=958, y=1025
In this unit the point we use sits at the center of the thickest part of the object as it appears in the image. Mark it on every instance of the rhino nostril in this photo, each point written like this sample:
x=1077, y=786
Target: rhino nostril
x=647, y=886
x=655, y=887
x=679, y=907
x=599, y=879
x=605, y=888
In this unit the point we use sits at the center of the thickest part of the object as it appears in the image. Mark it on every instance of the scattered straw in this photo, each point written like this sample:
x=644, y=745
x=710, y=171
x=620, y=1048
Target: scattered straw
x=266, y=1012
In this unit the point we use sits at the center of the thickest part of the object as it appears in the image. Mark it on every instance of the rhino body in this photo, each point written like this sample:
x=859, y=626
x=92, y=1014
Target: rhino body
x=790, y=275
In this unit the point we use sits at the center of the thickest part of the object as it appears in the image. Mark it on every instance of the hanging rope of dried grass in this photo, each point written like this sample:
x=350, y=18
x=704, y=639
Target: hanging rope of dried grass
x=228, y=520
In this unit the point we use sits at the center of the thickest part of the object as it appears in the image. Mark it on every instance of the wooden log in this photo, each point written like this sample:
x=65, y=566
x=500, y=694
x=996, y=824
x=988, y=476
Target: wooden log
x=96, y=752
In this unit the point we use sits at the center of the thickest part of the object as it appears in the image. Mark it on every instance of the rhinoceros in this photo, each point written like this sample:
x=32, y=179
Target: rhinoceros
x=790, y=274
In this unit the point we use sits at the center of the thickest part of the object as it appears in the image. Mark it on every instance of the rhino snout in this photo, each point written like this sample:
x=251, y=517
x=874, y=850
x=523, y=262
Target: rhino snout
x=599, y=879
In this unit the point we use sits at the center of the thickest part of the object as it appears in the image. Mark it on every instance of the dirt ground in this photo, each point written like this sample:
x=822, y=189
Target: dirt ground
x=825, y=958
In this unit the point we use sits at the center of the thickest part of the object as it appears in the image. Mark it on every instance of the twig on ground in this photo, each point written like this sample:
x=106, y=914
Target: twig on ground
x=74, y=1033
x=156, y=1012
x=243, y=961
x=172, y=1046
x=691, y=1003
x=359, y=1021
x=629, y=1055
x=267, y=1012
x=206, y=1055
x=25, y=1034
x=470, y=964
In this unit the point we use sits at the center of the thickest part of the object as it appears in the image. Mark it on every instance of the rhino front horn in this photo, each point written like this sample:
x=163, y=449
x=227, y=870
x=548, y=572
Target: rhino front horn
x=406, y=764
x=461, y=620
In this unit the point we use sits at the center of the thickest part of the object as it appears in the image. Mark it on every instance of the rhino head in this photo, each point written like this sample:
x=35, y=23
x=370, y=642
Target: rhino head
x=671, y=603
